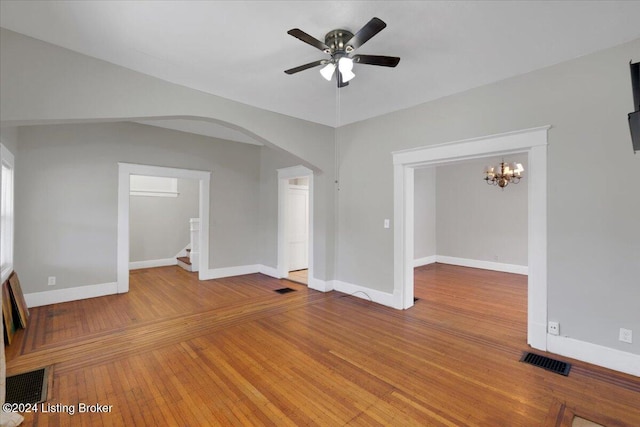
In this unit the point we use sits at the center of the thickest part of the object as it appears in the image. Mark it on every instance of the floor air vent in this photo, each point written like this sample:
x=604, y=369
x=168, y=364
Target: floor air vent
x=284, y=290
x=30, y=387
x=547, y=363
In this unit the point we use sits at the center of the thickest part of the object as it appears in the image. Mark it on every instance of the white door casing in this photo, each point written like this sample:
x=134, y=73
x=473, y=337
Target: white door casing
x=298, y=227
x=284, y=175
x=530, y=141
x=125, y=170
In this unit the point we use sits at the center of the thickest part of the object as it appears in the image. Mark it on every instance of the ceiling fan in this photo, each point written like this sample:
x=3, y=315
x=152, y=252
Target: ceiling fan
x=340, y=44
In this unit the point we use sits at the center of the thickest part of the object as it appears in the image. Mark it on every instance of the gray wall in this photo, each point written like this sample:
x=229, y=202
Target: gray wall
x=159, y=226
x=9, y=138
x=424, y=203
x=593, y=227
x=481, y=222
x=43, y=83
x=270, y=161
x=66, y=197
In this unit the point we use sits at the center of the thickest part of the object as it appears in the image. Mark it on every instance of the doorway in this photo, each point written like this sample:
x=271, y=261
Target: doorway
x=533, y=142
x=167, y=239
x=295, y=224
x=460, y=220
x=125, y=170
x=469, y=240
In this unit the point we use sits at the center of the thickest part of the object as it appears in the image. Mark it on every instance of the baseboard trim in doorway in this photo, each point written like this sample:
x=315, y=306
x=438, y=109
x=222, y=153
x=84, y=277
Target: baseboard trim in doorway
x=485, y=265
x=419, y=262
x=473, y=263
x=136, y=265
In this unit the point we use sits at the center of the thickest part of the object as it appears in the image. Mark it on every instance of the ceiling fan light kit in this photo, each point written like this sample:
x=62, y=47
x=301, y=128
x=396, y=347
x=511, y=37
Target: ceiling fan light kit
x=339, y=44
x=327, y=71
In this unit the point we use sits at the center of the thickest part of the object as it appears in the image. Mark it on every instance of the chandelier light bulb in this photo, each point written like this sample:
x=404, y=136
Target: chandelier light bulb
x=503, y=175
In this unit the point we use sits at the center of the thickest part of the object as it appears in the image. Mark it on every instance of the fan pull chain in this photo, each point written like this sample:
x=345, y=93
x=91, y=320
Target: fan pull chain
x=335, y=138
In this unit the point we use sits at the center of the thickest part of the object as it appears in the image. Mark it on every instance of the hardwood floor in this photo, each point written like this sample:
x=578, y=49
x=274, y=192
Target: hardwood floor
x=299, y=276
x=179, y=352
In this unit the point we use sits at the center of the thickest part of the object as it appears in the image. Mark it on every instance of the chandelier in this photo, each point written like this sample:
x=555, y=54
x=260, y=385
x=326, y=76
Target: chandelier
x=503, y=175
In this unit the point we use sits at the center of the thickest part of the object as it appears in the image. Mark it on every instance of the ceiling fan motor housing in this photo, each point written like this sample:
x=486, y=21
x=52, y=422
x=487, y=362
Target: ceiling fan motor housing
x=337, y=40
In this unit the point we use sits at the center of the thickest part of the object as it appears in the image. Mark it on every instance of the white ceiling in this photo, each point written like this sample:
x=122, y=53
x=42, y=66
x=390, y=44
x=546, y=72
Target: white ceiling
x=239, y=50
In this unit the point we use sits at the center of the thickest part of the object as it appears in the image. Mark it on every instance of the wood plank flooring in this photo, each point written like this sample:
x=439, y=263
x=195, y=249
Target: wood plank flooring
x=299, y=276
x=179, y=352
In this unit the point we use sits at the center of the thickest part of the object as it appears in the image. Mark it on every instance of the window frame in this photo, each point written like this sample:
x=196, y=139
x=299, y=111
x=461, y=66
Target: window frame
x=7, y=161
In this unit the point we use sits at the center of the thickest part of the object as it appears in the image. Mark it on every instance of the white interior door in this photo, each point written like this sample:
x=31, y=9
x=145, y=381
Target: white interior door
x=298, y=227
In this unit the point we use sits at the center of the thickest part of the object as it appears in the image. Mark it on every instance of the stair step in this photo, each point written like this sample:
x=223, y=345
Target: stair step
x=184, y=259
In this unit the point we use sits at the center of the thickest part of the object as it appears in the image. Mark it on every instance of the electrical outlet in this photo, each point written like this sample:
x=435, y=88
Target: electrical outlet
x=51, y=281
x=626, y=335
x=554, y=328
x=387, y=223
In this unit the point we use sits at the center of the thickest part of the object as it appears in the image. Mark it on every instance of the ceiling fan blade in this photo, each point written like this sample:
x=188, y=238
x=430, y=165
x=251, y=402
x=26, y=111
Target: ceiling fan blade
x=301, y=35
x=371, y=28
x=384, y=61
x=305, y=66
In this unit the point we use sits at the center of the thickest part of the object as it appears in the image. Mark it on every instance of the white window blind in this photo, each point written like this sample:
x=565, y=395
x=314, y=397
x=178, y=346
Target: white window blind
x=153, y=186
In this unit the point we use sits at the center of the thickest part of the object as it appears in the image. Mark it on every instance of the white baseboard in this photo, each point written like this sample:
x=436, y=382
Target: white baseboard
x=606, y=357
x=321, y=285
x=270, y=271
x=379, y=297
x=313, y=283
x=136, y=265
x=38, y=299
x=419, y=262
x=485, y=265
x=537, y=335
x=219, y=273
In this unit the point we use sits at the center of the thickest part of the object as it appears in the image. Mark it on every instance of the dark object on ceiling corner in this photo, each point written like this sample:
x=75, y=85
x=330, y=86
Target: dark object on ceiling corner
x=634, y=127
x=634, y=117
x=635, y=84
